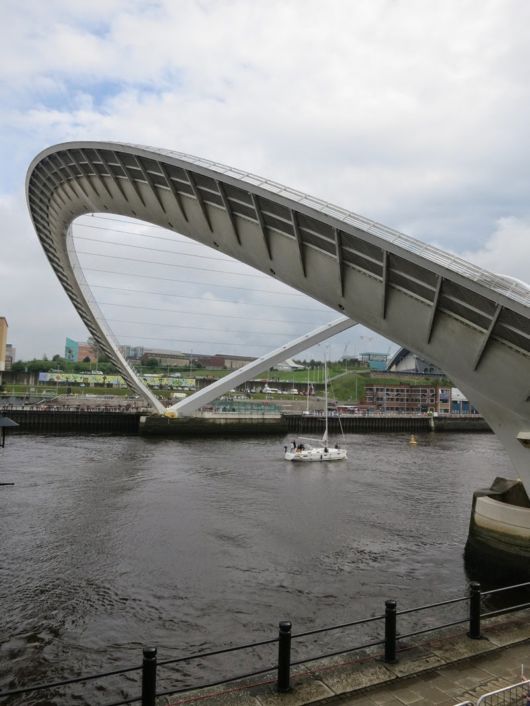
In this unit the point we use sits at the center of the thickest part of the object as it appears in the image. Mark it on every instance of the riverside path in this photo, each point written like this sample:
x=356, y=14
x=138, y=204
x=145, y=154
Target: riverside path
x=446, y=669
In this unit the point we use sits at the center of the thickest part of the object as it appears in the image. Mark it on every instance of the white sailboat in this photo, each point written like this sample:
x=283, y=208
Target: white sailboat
x=322, y=451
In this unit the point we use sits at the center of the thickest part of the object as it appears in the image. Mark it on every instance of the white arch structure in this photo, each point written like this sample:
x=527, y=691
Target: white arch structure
x=473, y=324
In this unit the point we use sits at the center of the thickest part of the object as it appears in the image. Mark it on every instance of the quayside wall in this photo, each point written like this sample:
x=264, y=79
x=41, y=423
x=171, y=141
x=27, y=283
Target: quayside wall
x=116, y=422
x=221, y=426
x=299, y=423
x=81, y=421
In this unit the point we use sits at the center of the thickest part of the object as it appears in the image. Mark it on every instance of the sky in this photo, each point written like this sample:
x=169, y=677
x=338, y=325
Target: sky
x=413, y=113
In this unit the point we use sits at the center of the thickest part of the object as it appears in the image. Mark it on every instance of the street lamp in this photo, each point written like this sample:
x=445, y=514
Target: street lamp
x=5, y=422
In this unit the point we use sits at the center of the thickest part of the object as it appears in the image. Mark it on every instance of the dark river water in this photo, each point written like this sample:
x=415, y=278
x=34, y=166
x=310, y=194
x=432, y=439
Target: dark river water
x=109, y=543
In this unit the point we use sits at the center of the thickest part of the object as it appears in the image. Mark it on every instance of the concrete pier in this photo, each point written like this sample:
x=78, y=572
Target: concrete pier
x=499, y=528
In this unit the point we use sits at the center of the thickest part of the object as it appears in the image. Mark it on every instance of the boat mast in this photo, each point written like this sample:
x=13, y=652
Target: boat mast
x=325, y=437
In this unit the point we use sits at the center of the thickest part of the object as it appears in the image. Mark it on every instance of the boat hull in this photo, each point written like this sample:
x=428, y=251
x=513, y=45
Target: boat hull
x=316, y=455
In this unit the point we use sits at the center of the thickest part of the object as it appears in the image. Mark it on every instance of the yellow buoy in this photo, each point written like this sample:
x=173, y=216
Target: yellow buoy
x=412, y=440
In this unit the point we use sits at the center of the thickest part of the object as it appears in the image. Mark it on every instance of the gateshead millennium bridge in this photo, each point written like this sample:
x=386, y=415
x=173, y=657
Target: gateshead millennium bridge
x=472, y=324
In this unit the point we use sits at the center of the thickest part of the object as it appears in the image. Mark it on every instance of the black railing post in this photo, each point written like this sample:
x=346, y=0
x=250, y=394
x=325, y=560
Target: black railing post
x=149, y=677
x=474, y=610
x=284, y=656
x=390, y=631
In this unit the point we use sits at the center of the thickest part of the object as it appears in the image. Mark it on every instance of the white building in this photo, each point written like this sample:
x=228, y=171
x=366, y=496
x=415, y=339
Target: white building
x=405, y=361
x=289, y=364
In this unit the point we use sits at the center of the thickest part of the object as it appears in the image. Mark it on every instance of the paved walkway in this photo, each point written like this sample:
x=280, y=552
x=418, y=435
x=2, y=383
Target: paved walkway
x=444, y=671
x=451, y=684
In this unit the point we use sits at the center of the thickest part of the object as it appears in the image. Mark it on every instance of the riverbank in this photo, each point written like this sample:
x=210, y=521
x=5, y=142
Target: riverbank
x=132, y=421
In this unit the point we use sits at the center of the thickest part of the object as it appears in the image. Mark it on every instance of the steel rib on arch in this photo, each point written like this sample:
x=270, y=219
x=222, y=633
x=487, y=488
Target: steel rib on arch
x=68, y=180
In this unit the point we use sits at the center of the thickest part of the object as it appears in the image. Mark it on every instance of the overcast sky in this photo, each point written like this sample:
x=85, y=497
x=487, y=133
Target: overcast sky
x=414, y=113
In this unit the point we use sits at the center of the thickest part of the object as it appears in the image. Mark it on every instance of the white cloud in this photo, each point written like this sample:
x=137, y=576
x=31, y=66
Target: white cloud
x=38, y=311
x=411, y=113
x=507, y=250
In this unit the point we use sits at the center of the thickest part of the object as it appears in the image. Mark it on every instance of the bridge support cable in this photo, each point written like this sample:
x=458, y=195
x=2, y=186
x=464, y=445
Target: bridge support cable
x=103, y=333
x=238, y=377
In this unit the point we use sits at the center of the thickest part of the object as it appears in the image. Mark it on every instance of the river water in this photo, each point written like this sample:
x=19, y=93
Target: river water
x=109, y=543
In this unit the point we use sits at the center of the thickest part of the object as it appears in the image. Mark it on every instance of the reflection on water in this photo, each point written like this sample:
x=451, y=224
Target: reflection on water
x=109, y=543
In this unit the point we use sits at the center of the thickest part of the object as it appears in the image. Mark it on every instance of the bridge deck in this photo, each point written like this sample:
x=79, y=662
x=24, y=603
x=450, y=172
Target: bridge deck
x=473, y=324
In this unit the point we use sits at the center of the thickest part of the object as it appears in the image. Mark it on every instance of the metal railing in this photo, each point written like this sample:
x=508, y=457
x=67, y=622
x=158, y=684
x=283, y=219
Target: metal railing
x=517, y=694
x=46, y=407
x=150, y=666
x=513, y=695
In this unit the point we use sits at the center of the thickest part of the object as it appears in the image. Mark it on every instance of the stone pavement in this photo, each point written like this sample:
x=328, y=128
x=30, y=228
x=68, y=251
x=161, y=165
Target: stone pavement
x=444, y=670
x=452, y=683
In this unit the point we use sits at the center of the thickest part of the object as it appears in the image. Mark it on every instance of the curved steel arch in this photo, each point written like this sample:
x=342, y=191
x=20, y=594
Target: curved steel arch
x=473, y=324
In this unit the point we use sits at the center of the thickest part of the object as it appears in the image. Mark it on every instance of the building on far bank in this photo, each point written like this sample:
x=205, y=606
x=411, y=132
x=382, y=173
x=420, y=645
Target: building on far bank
x=376, y=361
x=288, y=364
x=408, y=399
x=460, y=404
x=11, y=353
x=3, y=342
x=176, y=359
x=405, y=361
x=71, y=350
x=211, y=362
x=79, y=352
x=234, y=362
x=132, y=352
x=163, y=357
